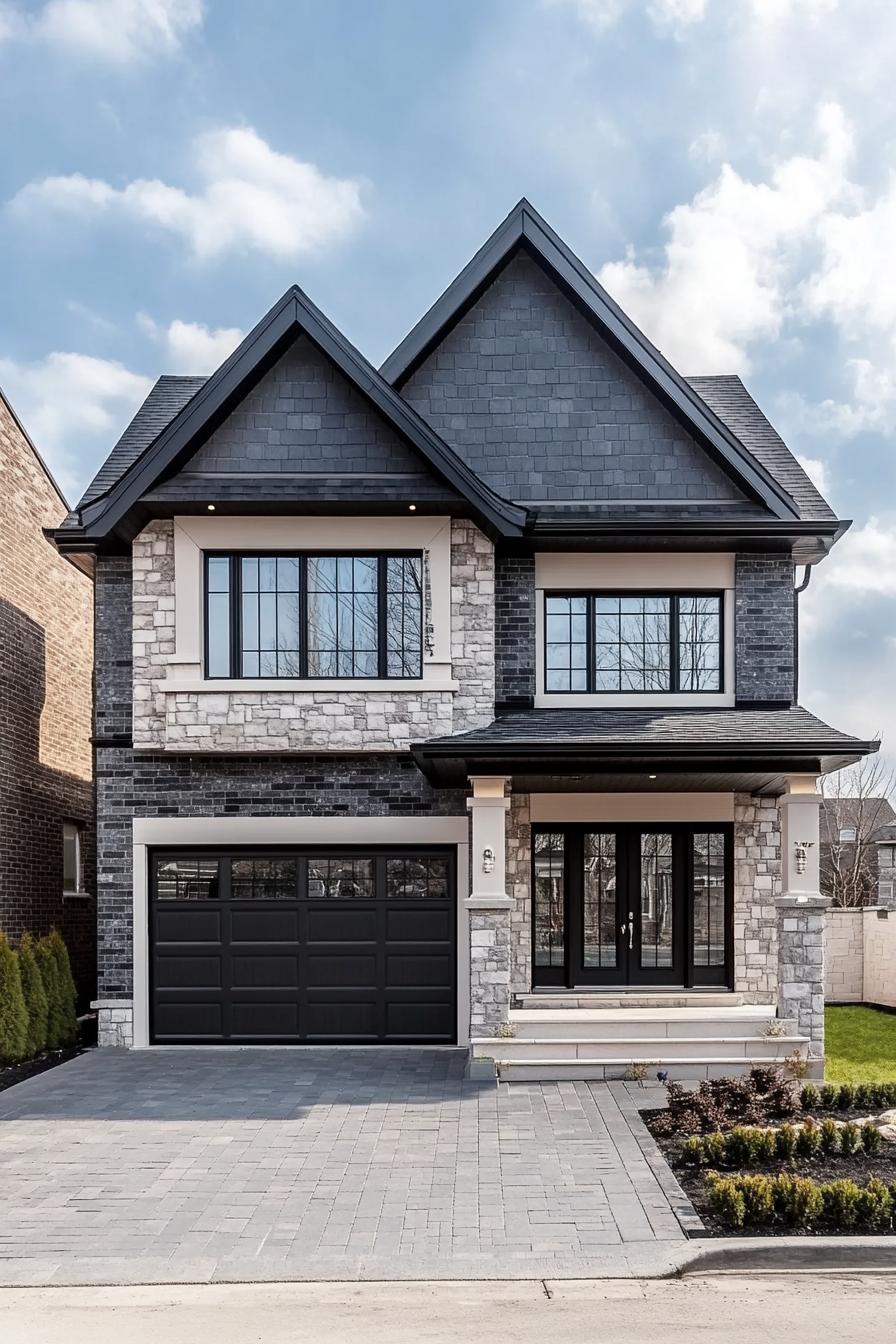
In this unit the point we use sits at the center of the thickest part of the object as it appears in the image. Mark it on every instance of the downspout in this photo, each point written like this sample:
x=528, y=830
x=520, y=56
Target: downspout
x=801, y=588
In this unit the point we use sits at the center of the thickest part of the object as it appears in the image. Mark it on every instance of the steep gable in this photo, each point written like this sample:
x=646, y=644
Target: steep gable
x=533, y=398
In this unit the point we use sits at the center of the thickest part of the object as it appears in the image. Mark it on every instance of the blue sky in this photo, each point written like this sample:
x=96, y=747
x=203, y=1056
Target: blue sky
x=725, y=166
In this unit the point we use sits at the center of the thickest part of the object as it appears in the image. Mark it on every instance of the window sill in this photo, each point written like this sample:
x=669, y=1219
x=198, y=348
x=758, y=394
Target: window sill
x=360, y=686
x=76, y=895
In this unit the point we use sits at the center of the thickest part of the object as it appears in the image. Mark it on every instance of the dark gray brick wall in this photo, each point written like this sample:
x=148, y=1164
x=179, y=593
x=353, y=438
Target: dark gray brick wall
x=537, y=403
x=113, y=646
x=764, y=628
x=304, y=416
x=514, y=630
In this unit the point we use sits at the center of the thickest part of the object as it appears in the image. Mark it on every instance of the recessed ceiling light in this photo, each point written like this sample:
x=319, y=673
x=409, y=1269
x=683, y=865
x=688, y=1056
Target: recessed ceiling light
x=651, y=776
x=413, y=508
x=210, y=507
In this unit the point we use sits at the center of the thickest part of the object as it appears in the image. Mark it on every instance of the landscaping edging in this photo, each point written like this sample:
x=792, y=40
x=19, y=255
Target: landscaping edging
x=12, y=1074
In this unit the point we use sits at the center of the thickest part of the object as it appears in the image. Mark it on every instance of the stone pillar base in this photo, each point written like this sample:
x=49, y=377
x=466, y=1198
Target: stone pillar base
x=115, y=1022
x=489, y=968
x=801, y=966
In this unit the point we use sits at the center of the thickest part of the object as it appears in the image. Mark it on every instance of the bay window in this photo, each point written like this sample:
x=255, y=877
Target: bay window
x=321, y=616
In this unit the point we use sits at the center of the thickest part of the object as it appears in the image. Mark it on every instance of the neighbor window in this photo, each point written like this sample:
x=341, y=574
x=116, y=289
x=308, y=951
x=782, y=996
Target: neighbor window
x=886, y=856
x=847, y=835
x=71, y=857
x=288, y=616
x=633, y=642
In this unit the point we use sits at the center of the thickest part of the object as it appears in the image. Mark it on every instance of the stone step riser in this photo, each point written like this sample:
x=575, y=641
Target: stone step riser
x=628, y=1051
x=632, y=1031
x=678, y=1071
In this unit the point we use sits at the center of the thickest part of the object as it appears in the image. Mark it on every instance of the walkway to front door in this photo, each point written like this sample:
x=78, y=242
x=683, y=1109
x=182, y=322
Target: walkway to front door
x=632, y=905
x=302, y=1164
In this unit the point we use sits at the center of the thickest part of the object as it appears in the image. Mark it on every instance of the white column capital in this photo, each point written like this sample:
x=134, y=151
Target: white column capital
x=800, y=843
x=488, y=808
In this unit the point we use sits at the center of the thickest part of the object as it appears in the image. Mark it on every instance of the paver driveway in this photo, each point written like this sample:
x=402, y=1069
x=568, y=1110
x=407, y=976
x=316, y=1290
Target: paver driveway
x=321, y=1163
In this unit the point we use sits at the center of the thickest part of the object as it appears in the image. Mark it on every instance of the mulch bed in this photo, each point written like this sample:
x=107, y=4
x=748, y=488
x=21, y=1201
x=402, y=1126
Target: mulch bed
x=859, y=1167
x=10, y=1074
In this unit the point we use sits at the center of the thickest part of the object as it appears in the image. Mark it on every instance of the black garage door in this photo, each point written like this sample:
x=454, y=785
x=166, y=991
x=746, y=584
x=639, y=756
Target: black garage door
x=303, y=945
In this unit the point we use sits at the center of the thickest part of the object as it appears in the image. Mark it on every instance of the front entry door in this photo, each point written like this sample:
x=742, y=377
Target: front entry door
x=631, y=905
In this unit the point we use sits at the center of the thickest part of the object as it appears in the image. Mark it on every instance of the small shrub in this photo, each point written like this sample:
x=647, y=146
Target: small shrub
x=808, y=1141
x=870, y=1138
x=774, y=1092
x=720, y=1103
x=829, y=1094
x=35, y=996
x=762, y=1146
x=850, y=1138
x=13, y=1015
x=829, y=1135
x=879, y=1096
x=67, y=986
x=875, y=1207
x=726, y=1200
x=759, y=1199
x=715, y=1149
x=49, y=974
x=864, y=1096
x=738, y=1147
x=692, y=1151
x=841, y=1204
x=810, y=1097
x=785, y=1142
x=798, y=1200
x=846, y=1097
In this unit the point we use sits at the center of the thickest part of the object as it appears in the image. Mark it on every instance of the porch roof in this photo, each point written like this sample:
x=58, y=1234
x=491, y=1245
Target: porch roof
x=644, y=749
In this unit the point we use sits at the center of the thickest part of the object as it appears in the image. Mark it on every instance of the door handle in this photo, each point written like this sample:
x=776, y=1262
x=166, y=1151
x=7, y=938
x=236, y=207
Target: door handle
x=629, y=929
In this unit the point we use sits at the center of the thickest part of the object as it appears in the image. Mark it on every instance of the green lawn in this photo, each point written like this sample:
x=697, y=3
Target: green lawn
x=860, y=1045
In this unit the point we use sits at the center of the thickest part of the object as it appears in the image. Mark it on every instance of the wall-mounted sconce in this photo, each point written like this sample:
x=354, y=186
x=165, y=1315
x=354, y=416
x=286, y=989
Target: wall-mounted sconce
x=801, y=851
x=488, y=859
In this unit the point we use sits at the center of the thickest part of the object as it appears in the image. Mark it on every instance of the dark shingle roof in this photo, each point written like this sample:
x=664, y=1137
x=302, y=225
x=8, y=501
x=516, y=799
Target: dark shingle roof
x=169, y=396
x=656, y=728
x=726, y=395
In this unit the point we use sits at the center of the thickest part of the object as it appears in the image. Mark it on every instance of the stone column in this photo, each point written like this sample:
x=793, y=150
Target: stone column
x=801, y=914
x=489, y=907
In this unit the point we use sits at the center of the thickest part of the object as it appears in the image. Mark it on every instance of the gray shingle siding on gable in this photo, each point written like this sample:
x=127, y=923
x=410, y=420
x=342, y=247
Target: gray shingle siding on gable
x=303, y=416
x=764, y=628
x=529, y=394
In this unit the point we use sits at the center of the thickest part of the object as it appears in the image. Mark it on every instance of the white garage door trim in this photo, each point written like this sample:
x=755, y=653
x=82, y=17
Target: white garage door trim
x=149, y=831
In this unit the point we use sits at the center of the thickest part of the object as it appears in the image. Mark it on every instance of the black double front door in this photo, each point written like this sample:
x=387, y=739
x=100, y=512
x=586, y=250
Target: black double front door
x=631, y=905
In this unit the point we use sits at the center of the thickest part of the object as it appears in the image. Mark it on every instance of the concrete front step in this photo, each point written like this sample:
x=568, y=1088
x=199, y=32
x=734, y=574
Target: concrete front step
x=653, y=1050
x=628, y=999
x=610, y=1070
x=630, y=1024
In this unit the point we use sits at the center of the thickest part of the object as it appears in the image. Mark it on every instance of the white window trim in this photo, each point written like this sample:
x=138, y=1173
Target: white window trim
x=637, y=572
x=158, y=831
x=194, y=535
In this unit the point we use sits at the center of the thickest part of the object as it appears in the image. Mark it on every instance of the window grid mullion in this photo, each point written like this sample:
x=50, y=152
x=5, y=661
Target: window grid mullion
x=674, y=641
x=381, y=601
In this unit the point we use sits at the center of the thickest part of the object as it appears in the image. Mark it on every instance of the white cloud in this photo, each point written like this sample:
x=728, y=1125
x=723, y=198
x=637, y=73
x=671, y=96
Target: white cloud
x=117, y=31
x=68, y=399
x=727, y=270
x=191, y=347
x=707, y=147
x=864, y=561
x=250, y=197
x=601, y=15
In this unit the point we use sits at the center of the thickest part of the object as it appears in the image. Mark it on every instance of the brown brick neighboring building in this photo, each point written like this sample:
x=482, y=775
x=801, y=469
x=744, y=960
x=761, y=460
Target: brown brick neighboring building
x=47, y=822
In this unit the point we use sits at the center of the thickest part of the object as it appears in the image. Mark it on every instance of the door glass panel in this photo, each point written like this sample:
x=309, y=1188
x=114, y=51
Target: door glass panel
x=656, y=899
x=599, y=914
x=340, y=879
x=549, y=899
x=418, y=877
x=709, y=898
x=263, y=879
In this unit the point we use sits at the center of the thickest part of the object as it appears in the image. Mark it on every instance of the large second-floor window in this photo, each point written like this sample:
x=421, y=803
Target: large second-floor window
x=314, y=616
x=633, y=642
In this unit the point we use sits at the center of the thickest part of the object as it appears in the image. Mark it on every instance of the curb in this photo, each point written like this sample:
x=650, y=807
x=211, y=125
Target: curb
x=793, y=1255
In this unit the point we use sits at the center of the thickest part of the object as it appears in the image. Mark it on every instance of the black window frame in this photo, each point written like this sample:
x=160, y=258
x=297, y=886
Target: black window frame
x=674, y=595
x=235, y=559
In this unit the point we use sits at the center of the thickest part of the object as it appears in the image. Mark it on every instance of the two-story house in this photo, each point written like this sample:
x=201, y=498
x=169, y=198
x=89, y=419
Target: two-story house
x=457, y=700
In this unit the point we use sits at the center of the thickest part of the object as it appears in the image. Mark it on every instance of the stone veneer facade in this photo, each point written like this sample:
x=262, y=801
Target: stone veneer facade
x=292, y=720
